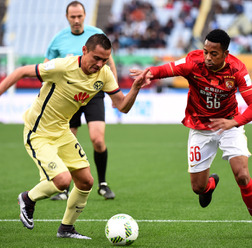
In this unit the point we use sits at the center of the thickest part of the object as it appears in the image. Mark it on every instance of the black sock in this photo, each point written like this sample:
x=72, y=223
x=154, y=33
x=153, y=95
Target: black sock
x=101, y=164
x=27, y=199
x=65, y=228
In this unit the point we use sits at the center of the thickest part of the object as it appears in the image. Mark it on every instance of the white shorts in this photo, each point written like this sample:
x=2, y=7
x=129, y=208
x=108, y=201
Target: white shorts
x=203, y=146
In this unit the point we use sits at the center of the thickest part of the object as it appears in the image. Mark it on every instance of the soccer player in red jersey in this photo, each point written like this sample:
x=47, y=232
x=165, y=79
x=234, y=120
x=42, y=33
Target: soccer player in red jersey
x=212, y=114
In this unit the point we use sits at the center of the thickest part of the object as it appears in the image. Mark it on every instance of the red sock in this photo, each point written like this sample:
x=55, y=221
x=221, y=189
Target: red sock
x=246, y=192
x=210, y=185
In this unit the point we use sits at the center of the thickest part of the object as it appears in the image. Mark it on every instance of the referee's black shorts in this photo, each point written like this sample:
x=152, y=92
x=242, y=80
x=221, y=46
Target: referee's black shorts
x=93, y=111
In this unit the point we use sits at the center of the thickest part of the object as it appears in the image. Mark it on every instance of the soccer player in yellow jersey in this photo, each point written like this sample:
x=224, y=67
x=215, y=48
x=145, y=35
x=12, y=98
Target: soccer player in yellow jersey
x=68, y=84
x=69, y=42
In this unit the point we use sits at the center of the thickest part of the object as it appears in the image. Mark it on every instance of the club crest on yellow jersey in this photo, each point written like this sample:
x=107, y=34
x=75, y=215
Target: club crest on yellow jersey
x=52, y=165
x=98, y=85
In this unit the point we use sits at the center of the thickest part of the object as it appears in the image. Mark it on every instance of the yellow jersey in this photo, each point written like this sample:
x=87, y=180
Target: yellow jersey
x=65, y=88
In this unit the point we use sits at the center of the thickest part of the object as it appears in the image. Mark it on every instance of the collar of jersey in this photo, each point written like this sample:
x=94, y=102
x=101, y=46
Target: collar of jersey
x=77, y=34
x=220, y=68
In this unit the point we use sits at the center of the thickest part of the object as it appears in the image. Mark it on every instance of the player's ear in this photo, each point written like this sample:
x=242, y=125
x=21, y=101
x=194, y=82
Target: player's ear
x=84, y=50
x=226, y=53
x=67, y=17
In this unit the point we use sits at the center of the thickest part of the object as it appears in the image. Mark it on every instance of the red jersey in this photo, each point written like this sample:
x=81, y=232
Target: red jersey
x=211, y=93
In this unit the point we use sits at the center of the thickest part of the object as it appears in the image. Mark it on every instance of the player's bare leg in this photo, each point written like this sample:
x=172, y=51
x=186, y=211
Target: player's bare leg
x=204, y=185
x=240, y=169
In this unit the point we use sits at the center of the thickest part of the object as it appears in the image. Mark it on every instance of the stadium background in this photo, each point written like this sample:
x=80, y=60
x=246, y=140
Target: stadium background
x=143, y=33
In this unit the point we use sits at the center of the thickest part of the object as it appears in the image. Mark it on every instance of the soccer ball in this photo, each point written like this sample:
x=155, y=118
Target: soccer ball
x=121, y=229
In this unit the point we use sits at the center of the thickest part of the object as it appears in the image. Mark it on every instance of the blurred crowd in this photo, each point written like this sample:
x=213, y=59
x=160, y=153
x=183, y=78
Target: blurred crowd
x=2, y=13
x=240, y=26
x=229, y=7
x=139, y=27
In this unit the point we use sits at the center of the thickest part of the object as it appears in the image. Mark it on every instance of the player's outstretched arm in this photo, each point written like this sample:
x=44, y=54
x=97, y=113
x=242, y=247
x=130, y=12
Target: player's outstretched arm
x=21, y=72
x=136, y=72
x=124, y=103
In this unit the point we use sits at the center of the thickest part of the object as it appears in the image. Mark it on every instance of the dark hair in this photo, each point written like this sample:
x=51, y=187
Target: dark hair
x=219, y=36
x=75, y=3
x=98, y=39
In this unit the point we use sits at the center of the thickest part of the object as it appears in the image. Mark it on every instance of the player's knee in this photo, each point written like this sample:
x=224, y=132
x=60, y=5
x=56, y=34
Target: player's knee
x=242, y=178
x=87, y=184
x=99, y=144
x=90, y=182
x=63, y=180
x=62, y=185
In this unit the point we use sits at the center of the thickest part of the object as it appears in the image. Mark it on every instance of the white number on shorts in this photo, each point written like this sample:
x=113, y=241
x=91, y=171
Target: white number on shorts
x=195, y=153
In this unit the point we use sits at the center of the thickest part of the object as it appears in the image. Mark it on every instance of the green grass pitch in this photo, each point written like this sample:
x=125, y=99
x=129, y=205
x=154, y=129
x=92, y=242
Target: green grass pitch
x=147, y=170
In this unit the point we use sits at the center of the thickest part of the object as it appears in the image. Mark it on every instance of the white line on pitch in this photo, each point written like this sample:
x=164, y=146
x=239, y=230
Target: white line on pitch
x=160, y=221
